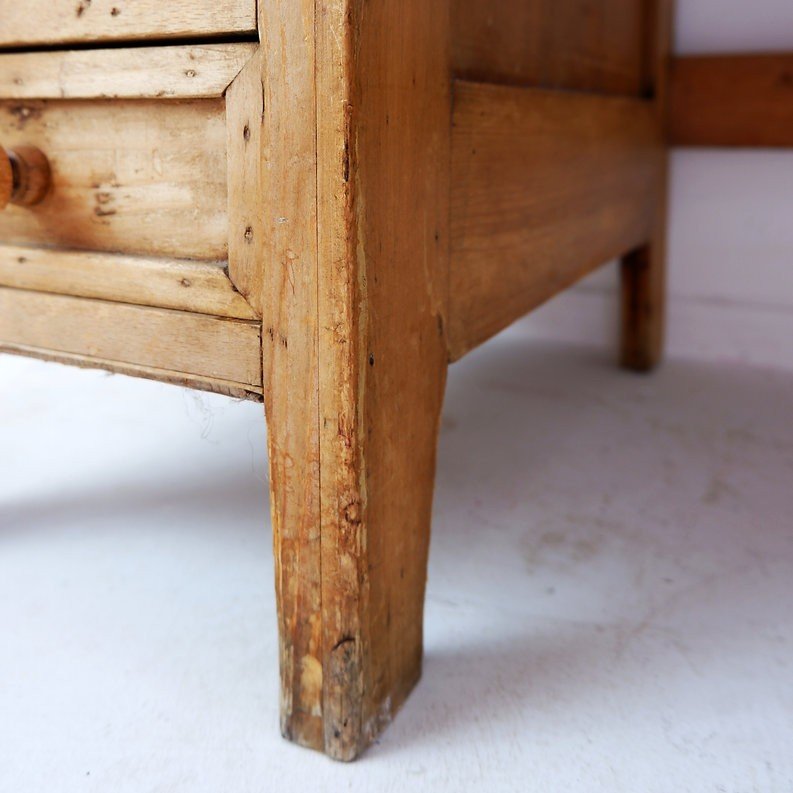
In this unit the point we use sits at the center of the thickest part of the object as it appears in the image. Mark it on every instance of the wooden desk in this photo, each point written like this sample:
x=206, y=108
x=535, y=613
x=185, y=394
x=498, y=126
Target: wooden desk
x=320, y=204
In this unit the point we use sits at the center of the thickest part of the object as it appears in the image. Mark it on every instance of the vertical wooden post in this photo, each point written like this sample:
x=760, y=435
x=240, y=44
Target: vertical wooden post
x=644, y=270
x=355, y=152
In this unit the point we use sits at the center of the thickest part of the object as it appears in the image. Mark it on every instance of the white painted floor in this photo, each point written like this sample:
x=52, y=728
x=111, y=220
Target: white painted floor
x=610, y=601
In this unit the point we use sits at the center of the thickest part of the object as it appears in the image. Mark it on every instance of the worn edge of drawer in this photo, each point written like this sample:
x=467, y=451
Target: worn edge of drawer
x=223, y=387
x=162, y=344
x=186, y=71
x=181, y=284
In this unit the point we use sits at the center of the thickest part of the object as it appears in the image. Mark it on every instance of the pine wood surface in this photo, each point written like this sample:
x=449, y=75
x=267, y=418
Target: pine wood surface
x=210, y=348
x=129, y=176
x=557, y=44
x=203, y=287
x=546, y=186
x=39, y=22
x=354, y=348
x=185, y=72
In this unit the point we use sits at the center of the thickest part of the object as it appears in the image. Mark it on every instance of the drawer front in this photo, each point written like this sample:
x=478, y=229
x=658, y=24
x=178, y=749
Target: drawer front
x=155, y=161
x=29, y=22
x=146, y=253
x=137, y=142
x=136, y=177
x=139, y=177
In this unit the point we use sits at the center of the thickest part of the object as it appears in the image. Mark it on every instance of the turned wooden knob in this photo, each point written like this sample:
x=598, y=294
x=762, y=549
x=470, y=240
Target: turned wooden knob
x=24, y=176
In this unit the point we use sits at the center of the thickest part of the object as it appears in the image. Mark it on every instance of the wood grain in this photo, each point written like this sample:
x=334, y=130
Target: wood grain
x=356, y=188
x=546, y=185
x=202, y=287
x=67, y=21
x=732, y=100
x=186, y=72
x=383, y=140
x=563, y=44
x=247, y=201
x=227, y=388
x=290, y=352
x=209, y=348
x=139, y=177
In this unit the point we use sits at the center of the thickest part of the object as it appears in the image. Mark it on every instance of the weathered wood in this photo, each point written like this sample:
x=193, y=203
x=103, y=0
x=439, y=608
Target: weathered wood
x=208, y=348
x=247, y=207
x=643, y=271
x=187, y=72
x=546, y=185
x=202, y=287
x=564, y=44
x=290, y=353
x=230, y=389
x=354, y=348
x=130, y=176
x=59, y=22
x=732, y=100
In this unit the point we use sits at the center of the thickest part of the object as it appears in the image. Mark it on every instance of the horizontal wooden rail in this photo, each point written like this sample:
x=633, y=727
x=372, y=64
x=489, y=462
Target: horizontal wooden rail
x=182, y=284
x=732, y=100
x=206, y=352
x=186, y=72
x=546, y=186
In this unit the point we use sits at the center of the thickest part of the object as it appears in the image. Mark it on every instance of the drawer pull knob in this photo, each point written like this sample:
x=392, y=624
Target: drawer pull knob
x=25, y=176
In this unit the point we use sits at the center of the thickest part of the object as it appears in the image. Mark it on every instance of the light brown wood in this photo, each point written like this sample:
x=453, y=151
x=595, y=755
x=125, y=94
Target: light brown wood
x=546, y=185
x=141, y=177
x=247, y=161
x=354, y=348
x=643, y=271
x=732, y=100
x=65, y=21
x=208, y=348
x=291, y=362
x=565, y=44
x=224, y=387
x=202, y=287
x=186, y=72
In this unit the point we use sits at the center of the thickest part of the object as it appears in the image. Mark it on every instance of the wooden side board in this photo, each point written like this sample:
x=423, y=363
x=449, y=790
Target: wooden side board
x=732, y=100
x=218, y=354
x=545, y=186
x=62, y=21
x=560, y=44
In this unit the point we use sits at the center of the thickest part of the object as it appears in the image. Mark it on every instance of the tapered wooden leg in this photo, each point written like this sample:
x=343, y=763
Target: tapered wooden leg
x=351, y=510
x=355, y=154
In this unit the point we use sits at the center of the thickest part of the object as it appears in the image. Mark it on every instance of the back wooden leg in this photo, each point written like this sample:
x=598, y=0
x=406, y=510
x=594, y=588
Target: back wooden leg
x=644, y=305
x=644, y=270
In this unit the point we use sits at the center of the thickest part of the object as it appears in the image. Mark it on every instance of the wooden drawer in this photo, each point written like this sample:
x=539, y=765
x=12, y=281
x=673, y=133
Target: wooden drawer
x=147, y=250
x=140, y=177
x=33, y=22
